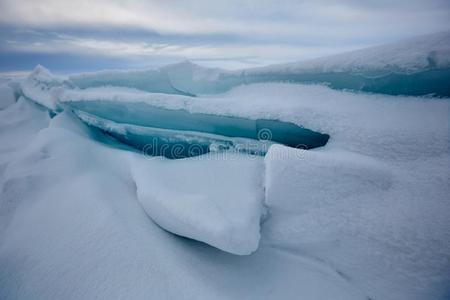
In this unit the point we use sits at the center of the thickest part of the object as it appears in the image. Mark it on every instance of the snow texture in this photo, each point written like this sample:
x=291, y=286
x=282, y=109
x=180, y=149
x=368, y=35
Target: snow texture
x=364, y=217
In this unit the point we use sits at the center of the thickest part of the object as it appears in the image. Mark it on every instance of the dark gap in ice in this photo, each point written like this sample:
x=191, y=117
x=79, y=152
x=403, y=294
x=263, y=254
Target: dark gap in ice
x=179, y=133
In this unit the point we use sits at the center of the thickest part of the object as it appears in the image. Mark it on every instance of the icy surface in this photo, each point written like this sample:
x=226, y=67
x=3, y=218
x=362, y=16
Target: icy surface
x=170, y=143
x=155, y=81
x=198, y=117
x=137, y=117
x=184, y=78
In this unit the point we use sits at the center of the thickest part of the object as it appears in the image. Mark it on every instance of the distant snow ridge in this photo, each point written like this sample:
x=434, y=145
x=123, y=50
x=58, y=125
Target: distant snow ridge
x=408, y=56
x=416, y=66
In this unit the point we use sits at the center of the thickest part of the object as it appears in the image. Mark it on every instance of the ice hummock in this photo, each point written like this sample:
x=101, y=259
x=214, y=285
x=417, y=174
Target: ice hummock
x=44, y=88
x=416, y=66
x=184, y=78
x=408, y=56
x=155, y=81
x=173, y=121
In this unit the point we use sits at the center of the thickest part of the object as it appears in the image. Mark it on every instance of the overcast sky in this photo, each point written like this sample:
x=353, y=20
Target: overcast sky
x=77, y=35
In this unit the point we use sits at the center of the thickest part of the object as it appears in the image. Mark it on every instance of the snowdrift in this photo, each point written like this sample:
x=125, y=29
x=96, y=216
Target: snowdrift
x=217, y=199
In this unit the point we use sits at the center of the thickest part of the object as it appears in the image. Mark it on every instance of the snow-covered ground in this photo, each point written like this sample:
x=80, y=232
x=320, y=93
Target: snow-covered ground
x=366, y=216
x=82, y=215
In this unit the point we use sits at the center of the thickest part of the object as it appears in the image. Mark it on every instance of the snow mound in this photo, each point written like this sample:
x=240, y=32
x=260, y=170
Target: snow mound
x=216, y=199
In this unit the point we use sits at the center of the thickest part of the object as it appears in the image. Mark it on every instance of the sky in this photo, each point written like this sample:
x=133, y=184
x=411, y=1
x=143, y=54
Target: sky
x=86, y=35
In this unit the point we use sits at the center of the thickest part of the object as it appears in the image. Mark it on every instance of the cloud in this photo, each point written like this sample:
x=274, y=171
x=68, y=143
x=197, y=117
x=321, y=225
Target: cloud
x=245, y=53
x=250, y=32
x=265, y=18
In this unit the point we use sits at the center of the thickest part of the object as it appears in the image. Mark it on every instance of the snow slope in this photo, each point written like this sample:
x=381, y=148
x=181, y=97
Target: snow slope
x=19, y=122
